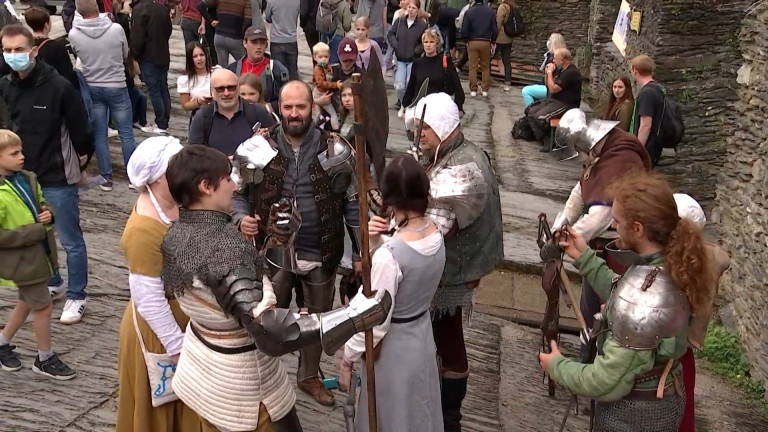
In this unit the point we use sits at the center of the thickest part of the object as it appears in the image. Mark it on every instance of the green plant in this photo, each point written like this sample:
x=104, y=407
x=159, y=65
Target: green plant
x=722, y=351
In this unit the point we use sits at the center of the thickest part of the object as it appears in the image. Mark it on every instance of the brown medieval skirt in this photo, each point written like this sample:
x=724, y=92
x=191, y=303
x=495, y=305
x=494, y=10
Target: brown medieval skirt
x=134, y=410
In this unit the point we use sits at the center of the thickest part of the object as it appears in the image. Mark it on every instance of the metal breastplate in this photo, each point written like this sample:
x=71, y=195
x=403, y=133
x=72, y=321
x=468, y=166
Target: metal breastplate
x=645, y=307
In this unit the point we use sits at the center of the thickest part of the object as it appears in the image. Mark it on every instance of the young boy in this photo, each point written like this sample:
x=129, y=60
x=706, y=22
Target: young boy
x=321, y=53
x=27, y=251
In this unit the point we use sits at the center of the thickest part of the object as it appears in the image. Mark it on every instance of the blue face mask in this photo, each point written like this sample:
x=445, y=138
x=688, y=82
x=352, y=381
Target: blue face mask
x=19, y=62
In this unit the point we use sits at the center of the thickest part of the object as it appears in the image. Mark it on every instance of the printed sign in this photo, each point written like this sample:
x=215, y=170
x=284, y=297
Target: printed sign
x=621, y=28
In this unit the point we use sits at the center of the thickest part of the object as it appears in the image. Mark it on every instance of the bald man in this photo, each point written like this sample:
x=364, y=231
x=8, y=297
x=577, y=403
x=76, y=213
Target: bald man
x=229, y=120
x=326, y=196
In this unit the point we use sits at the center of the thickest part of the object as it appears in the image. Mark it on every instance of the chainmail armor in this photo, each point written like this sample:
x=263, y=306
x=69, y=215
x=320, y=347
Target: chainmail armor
x=204, y=244
x=627, y=415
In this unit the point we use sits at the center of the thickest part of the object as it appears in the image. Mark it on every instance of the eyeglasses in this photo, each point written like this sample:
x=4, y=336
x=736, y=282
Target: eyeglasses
x=229, y=88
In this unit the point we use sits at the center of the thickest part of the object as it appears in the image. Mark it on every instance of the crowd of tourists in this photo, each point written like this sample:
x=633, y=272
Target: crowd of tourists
x=235, y=240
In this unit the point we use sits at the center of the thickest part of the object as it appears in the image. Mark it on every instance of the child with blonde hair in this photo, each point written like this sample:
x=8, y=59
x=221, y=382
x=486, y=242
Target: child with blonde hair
x=321, y=73
x=27, y=251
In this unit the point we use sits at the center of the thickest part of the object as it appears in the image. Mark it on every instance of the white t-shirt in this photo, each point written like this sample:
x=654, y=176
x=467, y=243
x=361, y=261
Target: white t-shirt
x=198, y=86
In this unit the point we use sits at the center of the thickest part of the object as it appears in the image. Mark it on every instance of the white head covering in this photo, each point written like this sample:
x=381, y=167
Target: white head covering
x=442, y=114
x=150, y=159
x=689, y=209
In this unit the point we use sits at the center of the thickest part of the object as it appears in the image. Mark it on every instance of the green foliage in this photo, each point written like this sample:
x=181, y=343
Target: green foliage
x=722, y=351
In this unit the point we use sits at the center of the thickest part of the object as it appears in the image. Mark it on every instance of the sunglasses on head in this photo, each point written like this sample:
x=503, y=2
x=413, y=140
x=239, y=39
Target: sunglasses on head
x=229, y=88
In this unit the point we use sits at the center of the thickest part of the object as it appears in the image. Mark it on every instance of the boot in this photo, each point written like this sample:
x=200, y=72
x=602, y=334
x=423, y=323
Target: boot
x=452, y=393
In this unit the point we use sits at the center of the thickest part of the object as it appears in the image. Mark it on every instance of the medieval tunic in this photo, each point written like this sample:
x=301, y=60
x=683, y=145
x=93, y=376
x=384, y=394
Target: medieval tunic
x=613, y=374
x=407, y=379
x=141, y=245
x=234, y=392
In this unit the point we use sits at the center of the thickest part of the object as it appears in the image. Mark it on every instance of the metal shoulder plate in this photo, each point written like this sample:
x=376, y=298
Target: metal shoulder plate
x=645, y=307
x=338, y=161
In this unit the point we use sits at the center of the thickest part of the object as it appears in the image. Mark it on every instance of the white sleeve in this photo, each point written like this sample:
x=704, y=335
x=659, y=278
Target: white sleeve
x=594, y=223
x=182, y=84
x=572, y=210
x=386, y=275
x=148, y=296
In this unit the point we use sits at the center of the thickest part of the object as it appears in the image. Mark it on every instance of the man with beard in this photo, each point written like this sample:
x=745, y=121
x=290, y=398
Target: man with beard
x=611, y=153
x=464, y=201
x=314, y=170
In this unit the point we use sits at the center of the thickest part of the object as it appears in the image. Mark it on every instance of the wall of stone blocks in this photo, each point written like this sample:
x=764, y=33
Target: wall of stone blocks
x=742, y=195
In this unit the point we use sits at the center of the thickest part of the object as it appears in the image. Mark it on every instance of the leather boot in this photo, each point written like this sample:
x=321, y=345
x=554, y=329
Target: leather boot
x=452, y=393
x=314, y=387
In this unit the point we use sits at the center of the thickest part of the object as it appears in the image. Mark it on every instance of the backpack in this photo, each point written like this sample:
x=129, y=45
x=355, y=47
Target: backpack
x=248, y=109
x=327, y=17
x=6, y=17
x=672, y=129
x=514, y=25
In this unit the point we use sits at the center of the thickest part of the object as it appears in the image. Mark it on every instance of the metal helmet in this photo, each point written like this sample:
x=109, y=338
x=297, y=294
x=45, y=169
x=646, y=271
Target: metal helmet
x=645, y=307
x=339, y=163
x=576, y=134
x=249, y=160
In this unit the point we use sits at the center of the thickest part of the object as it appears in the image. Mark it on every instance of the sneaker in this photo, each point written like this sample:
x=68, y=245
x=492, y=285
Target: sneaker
x=9, y=361
x=315, y=388
x=53, y=368
x=398, y=105
x=111, y=133
x=147, y=129
x=473, y=94
x=401, y=112
x=159, y=131
x=131, y=186
x=106, y=185
x=505, y=88
x=57, y=292
x=485, y=93
x=137, y=125
x=73, y=311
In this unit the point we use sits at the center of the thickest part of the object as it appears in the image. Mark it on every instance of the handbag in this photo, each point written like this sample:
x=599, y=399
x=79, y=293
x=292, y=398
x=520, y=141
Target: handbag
x=160, y=370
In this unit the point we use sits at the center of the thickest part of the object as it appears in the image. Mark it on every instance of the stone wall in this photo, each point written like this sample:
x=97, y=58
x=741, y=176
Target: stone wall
x=542, y=18
x=742, y=195
x=696, y=49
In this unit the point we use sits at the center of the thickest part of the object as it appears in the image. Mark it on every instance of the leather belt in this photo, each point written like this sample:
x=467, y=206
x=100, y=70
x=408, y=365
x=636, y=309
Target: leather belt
x=652, y=394
x=221, y=349
x=407, y=320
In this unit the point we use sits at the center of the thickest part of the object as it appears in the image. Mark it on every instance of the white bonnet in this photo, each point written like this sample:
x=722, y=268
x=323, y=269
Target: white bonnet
x=689, y=209
x=150, y=159
x=442, y=114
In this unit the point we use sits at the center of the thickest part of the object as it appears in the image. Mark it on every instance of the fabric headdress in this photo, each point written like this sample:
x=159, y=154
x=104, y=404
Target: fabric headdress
x=442, y=114
x=689, y=209
x=150, y=159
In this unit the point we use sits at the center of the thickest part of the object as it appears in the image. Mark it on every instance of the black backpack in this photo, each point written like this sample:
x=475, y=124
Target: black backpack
x=672, y=129
x=514, y=25
x=327, y=19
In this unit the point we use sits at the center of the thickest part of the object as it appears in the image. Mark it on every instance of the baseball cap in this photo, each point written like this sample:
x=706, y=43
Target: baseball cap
x=347, y=50
x=254, y=33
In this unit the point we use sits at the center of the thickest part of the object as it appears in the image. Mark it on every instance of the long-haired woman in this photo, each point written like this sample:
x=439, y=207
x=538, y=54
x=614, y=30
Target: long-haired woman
x=635, y=377
x=367, y=47
x=194, y=85
x=534, y=92
x=436, y=67
x=405, y=39
x=621, y=103
x=409, y=265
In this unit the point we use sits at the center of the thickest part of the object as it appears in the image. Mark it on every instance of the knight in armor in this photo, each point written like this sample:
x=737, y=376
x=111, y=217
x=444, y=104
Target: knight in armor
x=314, y=172
x=610, y=153
x=464, y=201
x=635, y=378
x=229, y=371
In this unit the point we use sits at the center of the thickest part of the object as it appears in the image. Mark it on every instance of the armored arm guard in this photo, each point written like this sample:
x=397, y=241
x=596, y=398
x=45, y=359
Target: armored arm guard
x=280, y=331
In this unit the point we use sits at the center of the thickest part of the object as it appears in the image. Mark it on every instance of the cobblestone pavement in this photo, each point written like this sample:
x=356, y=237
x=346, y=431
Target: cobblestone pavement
x=506, y=392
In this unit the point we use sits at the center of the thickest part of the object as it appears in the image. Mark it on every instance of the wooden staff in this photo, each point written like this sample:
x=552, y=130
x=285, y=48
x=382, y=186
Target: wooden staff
x=365, y=251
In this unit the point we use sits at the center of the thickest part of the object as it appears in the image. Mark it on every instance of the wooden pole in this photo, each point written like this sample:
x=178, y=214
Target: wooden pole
x=365, y=251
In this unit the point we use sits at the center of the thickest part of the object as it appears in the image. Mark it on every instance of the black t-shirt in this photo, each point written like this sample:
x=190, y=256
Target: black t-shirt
x=226, y=134
x=569, y=81
x=650, y=103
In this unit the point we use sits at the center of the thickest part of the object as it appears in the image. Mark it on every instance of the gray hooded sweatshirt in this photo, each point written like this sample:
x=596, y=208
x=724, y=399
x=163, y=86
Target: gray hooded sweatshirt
x=101, y=47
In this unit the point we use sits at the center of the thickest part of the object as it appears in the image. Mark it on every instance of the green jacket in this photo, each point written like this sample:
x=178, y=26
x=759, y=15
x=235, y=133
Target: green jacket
x=612, y=375
x=23, y=255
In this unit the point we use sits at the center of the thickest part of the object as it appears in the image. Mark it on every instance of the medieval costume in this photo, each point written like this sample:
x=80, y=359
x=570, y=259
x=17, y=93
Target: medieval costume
x=612, y=153
x=464, y=201
x=153, y=319
x=318, y=179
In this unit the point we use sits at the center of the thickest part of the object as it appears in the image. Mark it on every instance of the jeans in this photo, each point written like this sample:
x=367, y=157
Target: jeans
x=333, y=40
x=226, y=46
x=85, y=94
x=534, y=92
x=479, y=52
x=65, y=202
x=506, y=58
x=156, y=78
x=112, y=101
x=189, y=31
x=288, y=55
x=402, y=75
x=139, y=105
